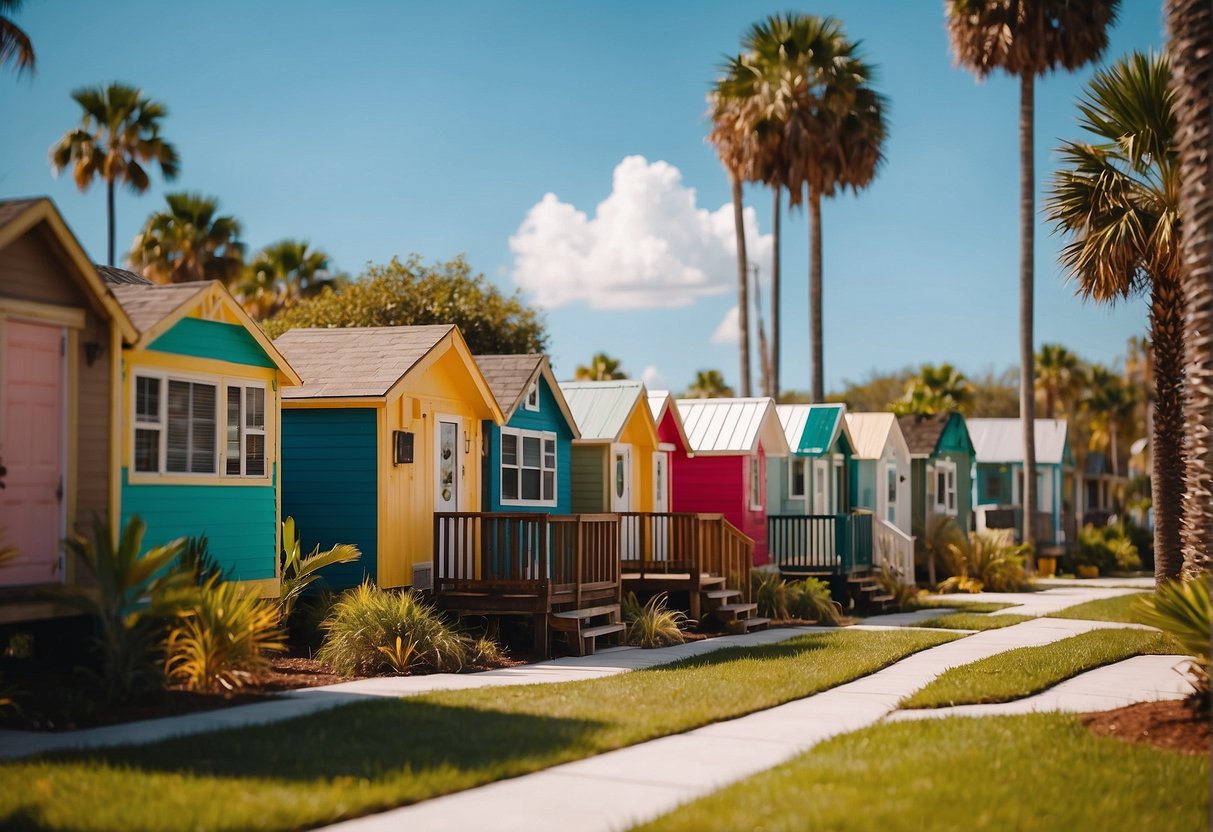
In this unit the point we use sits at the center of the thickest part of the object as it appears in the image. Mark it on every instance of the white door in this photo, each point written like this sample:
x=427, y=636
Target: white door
x=821, y=488
x=621, y=478
x=661, y=482
x=32, y=507
x=447, y=463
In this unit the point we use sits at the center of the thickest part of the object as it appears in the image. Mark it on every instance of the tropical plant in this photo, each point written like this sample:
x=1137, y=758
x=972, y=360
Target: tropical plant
x=1060, y=379
x=118, y=136
x=220, y=637
x=367, y=618
x=601, y=368
x=15, y=45
x=1190, y=26
x=1025, y=40
x=1109, y=406
x=412, y=294
x=299, y=572
x=942, y=534
x=770, y=592
x=651, y=624
x=1183, y=610
x=281, y=274
x=197, y=561
x=941, y=389
x=904, y=594
x=989, y=561
x=131, y=593
x=189, y=241
x=1117, y=201
x=1107, y=547
x=809, y=600
x=708, y=384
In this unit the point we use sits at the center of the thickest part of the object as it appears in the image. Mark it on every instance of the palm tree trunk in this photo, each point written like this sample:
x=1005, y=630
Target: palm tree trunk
x=1190, y=23
x=743, y=288
x=109, y=205
x=1166, y=330
x=818, y=393
x=1027, y=355
x=775, y=296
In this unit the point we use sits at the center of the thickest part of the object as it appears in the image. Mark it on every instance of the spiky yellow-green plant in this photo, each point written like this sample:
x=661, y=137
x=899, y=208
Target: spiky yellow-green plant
x=1183, y=610
x=651, y=624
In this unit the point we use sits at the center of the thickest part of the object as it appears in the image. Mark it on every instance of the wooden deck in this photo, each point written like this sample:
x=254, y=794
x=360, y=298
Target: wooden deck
x=820, y=544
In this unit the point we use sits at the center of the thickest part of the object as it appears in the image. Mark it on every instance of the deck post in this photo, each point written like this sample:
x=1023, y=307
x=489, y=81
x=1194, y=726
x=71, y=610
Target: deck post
x=578, y=553
x=542, y=648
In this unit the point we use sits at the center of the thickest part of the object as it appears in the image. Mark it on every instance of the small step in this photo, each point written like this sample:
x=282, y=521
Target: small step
x=732, y=612
x=587, y=612
x=590, y=635
x=881, y=599
x=706, y=581
x=721, y=594
x=756, y=623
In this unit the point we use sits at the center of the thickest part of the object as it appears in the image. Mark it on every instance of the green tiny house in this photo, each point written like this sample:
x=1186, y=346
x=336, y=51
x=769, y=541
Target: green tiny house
x=941, y=471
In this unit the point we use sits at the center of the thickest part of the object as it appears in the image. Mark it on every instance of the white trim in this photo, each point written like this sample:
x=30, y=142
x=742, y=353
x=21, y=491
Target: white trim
x=793, y=462
x=458, y=470
x=544, y=436
x=755, y=482
x=890, y=508
x=532, y=392
x=940, y=505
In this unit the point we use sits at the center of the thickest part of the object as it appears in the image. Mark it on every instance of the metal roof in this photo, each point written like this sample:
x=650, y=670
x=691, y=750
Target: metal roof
x=812, y=429
x=872, y=432
x=1001, y=440
x=602, y=408
x=355, y=361
x=733, y=426
x=659, y=402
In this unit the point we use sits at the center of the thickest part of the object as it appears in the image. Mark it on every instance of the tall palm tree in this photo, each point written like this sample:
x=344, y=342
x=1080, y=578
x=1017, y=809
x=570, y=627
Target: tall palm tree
x=1117, y=200
x=1190, y=23
x=601, y=368
x=939, y=389
x=709, y=384
x=189, y=241
x=118, y=135
x=1026, y=38
x=1059, y=378
x=1110, y=405
x=282, y=274
x=15, y=45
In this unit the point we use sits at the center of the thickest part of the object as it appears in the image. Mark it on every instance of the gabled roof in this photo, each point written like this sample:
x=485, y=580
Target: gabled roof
x=147, y=304
x=733, y=426
x=812, y=429
x=662, y=402
x=1001, y=440
x=17, y=216
x=873, y=432
x=511, y=376
x=925, y=433
x=602, y=408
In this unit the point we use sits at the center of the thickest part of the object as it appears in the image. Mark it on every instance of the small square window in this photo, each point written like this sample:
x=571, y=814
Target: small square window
x=532, y=397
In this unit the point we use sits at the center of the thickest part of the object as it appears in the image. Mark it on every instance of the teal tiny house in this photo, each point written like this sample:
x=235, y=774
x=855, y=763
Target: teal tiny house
x=527, y=462
x=813, y=478
x=941, y=469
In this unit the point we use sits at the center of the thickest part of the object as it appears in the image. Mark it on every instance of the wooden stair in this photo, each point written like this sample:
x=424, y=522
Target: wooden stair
x=867, y=592
x=726, y=606
x=585, y=626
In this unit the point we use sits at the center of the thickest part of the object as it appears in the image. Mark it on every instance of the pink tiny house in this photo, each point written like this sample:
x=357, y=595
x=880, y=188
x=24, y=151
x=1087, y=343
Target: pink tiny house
x=722, y=468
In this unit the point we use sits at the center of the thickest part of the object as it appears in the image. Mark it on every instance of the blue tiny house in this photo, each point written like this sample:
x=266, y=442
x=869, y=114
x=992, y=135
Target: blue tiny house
x=528, y=460
x=813, y=478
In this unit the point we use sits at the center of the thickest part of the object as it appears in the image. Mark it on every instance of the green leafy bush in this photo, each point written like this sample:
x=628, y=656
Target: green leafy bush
x=221, y=636
x=1108, y=547
x=651, y=624
x=367, y=618
x=299, y=573
x=988, y=561
x=770, y=592
x=810, y=600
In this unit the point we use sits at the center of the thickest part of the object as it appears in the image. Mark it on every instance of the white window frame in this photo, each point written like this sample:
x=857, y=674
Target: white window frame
x=543, y=436
x=221, y=385
x=942, y=499
x=244, y=430
x=531, y=402
x=755, y=483
x=804, y=480
x=891, y=500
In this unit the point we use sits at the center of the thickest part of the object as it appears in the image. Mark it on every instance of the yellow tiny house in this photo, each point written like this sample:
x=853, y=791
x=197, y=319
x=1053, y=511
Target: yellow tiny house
x=385, y=431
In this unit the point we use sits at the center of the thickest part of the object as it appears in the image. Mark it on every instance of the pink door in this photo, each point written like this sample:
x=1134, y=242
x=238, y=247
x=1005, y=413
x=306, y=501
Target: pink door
x=31, y=449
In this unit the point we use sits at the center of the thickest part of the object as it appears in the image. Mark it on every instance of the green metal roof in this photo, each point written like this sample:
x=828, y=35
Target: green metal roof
x=813, y=430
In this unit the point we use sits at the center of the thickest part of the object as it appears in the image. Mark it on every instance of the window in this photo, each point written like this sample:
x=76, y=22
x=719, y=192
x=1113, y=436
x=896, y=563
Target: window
x=528, y=467
x=993, y=487
x=188, y=426
x=945, y=487
x=532, y=397
x=891, y=492
x=796, y=478
x=755, y=483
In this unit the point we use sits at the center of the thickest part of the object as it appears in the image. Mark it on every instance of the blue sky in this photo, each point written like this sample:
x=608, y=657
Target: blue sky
x=380, y=129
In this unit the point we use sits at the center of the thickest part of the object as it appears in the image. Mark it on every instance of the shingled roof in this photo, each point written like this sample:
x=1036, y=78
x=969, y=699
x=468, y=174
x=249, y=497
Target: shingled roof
x=114, y=276
x=147, y=304
x=355, y=361
x=509, y=377
x=923, y=432
x=10, y=209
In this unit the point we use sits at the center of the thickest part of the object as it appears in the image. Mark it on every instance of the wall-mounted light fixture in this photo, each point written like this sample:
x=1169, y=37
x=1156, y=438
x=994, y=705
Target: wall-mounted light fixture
x=92, y=351
x=402, y=447
x=467, y=442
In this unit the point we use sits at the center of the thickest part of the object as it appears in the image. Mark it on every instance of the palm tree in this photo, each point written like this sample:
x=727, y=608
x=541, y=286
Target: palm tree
x=1190, y=23
x=601, y=368
x=709, y=384
x=118, y=135
x=1118, y=203
x=15, y=45
x=1026, y=39
x=281, y=274
x=1059, y=378
x=941, y=389
x=1111, y=405
x=189, y=241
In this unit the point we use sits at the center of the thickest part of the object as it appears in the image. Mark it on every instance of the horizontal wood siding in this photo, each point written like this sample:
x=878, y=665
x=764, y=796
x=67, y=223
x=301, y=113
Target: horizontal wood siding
x=93, y=436
x=30, y=270
x=719, y=485
x=212, y=339
x=964, y=486
x=548, y=418
x=329, y=484
x=587, y=479
x=240, y=522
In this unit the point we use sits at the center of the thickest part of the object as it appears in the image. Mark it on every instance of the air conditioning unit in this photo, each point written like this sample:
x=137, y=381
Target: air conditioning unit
x=423, y=576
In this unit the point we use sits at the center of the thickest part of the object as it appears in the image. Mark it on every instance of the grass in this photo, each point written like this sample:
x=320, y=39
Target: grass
x=1041, y=772
x=1121, y=609
x=973, y=621
x=362, y=758
x=976, y=606
x=1028, y=670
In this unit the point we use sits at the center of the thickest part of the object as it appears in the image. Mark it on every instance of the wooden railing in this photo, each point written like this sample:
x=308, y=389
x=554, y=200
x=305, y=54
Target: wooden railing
x=659, y=542
x=585, y=553
x=726, y=552
x=834, y=543
x=895, y=548
x=1011, y=517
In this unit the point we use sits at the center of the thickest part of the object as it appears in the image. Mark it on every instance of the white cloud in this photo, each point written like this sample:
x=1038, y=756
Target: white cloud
x=653, y=378
x=648, y=245
x=728, y=331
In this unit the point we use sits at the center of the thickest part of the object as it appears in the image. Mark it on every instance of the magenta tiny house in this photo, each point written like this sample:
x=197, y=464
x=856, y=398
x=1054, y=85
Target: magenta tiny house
x=721, y=466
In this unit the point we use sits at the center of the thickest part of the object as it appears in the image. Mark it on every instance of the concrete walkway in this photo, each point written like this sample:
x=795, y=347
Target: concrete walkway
x=1123, y=583
x=618, y=789
x=1045, y=602
x=1139, y=679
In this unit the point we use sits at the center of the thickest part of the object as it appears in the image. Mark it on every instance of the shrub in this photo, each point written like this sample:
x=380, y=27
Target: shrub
x=959, y=583
x=196, y=560
x=367, y=618
x=891, y=583
x=770, y=592
x=298, y=572
x=942, y=533
x=221, y=637
x=810, y=600
x=1183, y=610
x=651, y=624
x=989, y=561
x=1108, y=547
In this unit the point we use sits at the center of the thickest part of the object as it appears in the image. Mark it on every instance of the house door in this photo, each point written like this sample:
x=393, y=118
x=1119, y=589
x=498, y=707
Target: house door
x=821, y=488
x=621, y=478
x=32, y=508
x=661, y=505
x=447, y=483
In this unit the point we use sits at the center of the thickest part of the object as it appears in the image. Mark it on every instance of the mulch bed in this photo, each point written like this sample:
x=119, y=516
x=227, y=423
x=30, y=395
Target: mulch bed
x=1173, y=724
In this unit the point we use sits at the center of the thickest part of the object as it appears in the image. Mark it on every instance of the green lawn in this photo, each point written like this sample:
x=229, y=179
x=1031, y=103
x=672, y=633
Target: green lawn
x=1040, y=772
x=973, y=621
x=1028, y=670
x=362, y=758
x=1122, y=609
x=976, y=606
